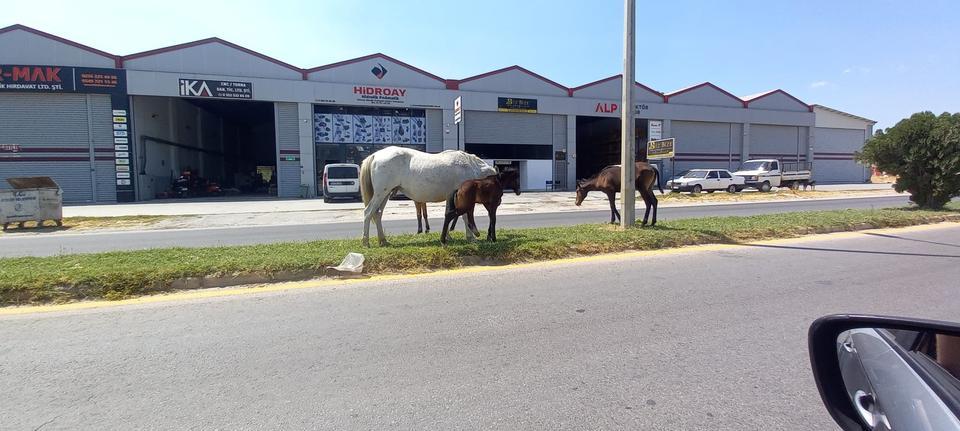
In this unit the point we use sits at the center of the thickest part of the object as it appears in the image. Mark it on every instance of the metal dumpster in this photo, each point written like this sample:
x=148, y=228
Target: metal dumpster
x=31, y=199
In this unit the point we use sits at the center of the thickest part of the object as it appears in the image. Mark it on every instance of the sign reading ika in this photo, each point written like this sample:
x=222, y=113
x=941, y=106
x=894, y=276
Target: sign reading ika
x=380, y=95
x=218, y=89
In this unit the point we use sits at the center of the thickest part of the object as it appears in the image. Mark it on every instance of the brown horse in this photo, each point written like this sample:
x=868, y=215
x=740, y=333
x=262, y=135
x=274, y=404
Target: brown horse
x=608, y=181
x=487, y=191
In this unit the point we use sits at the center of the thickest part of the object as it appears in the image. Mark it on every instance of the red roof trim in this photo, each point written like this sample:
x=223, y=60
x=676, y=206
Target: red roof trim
x=205, y=42
x=611, y=78
x=377, y=55
x=667, y=96
x=771, y=92
x=116, y=59
x=515, y=67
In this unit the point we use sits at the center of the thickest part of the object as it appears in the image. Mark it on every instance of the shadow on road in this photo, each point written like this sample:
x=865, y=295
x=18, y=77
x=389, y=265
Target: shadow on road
x=840, y=250
x=911, y=239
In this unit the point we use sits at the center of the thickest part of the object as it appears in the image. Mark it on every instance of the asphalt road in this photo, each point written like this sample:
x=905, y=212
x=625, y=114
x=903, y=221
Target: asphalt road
x=67, y=243
x=681, y=340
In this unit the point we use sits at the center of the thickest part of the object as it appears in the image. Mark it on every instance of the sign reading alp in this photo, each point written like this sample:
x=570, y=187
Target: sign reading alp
x=661, y=149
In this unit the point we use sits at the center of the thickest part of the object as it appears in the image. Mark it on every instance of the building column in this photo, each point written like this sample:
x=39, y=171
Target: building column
x=308, y=159
x=449, y=131
x=745, y=143
x=811, y=143
x=571, y=152
x=667, y=164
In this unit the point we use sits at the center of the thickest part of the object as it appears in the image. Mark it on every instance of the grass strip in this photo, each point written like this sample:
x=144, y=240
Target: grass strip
x=117, y=275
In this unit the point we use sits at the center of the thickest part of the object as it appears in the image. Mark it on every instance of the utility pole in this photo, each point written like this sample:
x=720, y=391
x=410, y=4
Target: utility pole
x=627, y=146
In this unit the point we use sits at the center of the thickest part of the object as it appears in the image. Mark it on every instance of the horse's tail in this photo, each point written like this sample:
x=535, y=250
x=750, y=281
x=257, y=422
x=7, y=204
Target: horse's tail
x=656, y=173
x=366, y=183
x=452, y=201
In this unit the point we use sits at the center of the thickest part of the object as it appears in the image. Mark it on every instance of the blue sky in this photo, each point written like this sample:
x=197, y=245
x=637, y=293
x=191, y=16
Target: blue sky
x=879, y=59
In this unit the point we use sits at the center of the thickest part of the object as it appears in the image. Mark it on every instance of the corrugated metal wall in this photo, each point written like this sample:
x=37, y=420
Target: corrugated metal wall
x=288, y=142
x=53, y=132
x=481, y=127
x=833, y=155
x=704, y=145
x=434, y=130
x=780, y=142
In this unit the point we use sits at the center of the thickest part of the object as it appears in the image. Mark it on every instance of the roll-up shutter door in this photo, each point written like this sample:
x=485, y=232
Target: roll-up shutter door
x=52, y=135
x=483, y=127
x=288, y=141
x=776, y=142
x=434, y=130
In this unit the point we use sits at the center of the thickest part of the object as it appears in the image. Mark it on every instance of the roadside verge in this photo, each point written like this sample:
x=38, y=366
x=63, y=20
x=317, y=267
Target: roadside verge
x=118, y=275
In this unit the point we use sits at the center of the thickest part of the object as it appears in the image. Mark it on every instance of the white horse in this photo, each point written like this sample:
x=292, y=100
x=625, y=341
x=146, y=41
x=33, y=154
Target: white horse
x=423, y=177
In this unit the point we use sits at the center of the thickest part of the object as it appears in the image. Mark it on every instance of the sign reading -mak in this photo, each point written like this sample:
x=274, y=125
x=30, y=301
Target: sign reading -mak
x=380, y=95
x=62, y=79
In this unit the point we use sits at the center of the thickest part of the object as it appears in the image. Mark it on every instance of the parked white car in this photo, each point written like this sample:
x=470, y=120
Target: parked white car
x=341, y=180
x=709, y=180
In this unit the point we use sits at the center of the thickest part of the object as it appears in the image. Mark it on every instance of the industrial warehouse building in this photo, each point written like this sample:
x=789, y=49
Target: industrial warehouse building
x=121, y=128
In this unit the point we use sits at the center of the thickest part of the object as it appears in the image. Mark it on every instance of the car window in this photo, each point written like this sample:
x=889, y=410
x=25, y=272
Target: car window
x=695, y=174
x=725, y=174
x=713, y=175
x=774, y=166
x=342, y=172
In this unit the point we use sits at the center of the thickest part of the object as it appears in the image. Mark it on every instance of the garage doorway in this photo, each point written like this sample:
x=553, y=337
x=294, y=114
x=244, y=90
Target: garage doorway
x=219, y=147
x=598, y=143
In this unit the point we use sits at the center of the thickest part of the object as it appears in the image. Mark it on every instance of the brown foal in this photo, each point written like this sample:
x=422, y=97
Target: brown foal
x=487, y=191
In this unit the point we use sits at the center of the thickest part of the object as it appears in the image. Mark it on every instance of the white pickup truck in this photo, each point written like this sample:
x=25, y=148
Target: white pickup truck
x=764, y=174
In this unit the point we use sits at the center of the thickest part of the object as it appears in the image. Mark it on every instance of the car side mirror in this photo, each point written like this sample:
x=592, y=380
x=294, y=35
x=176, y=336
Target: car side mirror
x=887, y=373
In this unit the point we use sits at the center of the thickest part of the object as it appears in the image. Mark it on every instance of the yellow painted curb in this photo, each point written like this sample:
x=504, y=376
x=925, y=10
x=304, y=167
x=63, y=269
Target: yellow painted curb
x=312, y=284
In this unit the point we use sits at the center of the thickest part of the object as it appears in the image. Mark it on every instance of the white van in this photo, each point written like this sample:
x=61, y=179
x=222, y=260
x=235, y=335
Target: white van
x=341, y=180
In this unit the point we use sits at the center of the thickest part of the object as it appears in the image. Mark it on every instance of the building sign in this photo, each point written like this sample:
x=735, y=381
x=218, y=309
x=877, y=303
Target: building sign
x=379, y=71
x=613, y=107
x=380, y=95
x=661, y=149
x=10, y=148
x=457, y=110
x=62, y=79
x=216, y=89
x=513, y=104
x=655, y=129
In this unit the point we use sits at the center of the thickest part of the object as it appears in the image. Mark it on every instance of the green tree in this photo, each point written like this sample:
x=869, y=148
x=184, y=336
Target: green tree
x=923, y=151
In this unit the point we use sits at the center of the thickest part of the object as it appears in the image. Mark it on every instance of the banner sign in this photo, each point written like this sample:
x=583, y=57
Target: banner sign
x=661, y=149
x=216, y=89
x=513, y=104
x=655, y=130
x=457, y=110
x=62, y=79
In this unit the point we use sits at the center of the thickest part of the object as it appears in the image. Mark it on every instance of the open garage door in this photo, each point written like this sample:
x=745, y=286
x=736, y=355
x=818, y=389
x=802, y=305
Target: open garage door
x=598, y=143
x=211, y=147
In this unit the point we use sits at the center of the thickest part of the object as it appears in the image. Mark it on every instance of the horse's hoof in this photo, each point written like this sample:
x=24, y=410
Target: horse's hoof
x=384, y=243
x=366, y=243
